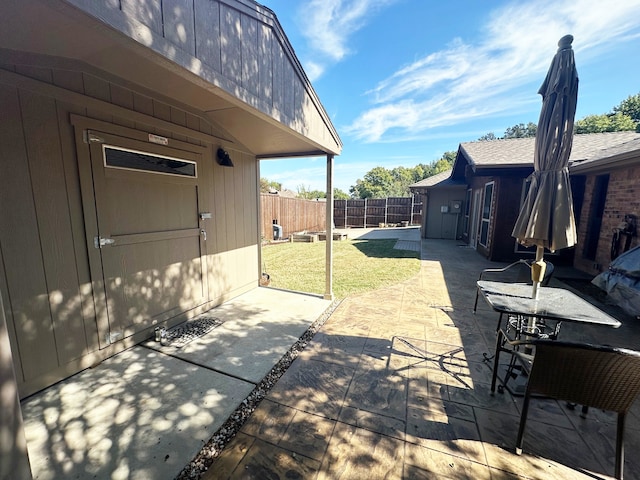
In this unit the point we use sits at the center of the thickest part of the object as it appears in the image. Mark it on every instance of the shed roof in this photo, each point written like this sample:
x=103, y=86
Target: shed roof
x=441, y=179
x=229, y=60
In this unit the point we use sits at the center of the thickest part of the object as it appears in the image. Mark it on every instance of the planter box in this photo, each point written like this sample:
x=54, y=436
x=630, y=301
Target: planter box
x=336, y=236
x=304, y=237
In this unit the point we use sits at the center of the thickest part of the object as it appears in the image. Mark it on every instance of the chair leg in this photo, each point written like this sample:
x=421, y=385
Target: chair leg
x=475, y=305
x=523, y=422
x=620, y=447
x=496, y=361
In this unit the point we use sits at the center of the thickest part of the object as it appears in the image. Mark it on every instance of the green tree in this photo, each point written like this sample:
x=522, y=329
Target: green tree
x=618, y=122
x=376, y=183
x=521, y=130
x=381, y=182
x=266, y=185
x=488, y=136
x=402, y=178
x=340, y=195
x=517, y=131
x=450, y=157
x=306, y=192
x=630, y=106
x=420, y=171
x=441, y=165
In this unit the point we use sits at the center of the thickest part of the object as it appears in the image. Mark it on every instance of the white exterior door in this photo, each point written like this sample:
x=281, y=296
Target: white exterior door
x=474, y=226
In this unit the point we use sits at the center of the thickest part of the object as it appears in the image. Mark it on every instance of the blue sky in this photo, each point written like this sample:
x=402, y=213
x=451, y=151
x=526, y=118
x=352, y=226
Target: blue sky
x=404, y=81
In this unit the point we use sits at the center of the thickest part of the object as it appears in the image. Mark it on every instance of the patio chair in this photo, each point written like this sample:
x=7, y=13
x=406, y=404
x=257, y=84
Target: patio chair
x=603, y=377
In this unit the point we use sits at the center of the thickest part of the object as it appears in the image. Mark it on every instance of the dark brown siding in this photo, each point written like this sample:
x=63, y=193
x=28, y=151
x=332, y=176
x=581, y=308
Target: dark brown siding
x=507, y=206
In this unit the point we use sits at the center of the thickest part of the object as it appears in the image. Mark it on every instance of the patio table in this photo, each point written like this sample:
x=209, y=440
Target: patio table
x=554, y=304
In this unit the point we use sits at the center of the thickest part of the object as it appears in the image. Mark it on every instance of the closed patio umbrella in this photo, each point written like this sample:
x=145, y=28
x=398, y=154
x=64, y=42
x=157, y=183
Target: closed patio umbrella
x=546, y=218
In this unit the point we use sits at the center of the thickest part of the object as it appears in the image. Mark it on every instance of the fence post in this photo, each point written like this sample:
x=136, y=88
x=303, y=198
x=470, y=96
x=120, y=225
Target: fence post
x=346, y=205
x=364, y=220
x=413, y=197
x=386, y=209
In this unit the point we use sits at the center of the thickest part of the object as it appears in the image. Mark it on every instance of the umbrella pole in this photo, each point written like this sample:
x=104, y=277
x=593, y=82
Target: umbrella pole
x=537, y=274
x=537, y=271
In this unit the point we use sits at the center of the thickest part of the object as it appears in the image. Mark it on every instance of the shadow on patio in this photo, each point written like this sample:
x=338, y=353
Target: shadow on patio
x=394, y=386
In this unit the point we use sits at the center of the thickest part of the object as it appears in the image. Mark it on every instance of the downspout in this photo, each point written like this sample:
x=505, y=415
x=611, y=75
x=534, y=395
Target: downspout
x=328, y=291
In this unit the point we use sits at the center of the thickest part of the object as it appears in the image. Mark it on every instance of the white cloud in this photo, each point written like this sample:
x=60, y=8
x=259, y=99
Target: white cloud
x=313, y=70
x=328, y=24
x=471, y=80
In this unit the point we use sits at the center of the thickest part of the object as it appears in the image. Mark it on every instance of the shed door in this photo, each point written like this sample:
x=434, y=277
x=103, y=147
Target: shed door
x=150, y=239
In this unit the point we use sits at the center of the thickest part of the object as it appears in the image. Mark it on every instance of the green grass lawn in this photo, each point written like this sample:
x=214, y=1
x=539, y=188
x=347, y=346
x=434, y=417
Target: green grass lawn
x=358, y=265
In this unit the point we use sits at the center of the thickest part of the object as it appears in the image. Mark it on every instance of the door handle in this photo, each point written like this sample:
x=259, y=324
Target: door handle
x=203, y=232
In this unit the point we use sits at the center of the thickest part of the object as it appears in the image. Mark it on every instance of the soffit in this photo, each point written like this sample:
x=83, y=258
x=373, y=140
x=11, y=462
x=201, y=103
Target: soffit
x=54, y=28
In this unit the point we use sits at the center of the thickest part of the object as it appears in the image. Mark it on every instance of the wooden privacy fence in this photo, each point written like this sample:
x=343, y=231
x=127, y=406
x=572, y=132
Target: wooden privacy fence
x=297, y=214
x=292, y=214
x=371, y=212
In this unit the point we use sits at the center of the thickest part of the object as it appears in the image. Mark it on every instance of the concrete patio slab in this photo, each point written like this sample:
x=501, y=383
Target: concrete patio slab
x=146, y=412
x=257, y=330
x=399, y=233
x=396, y=385
x=137, y=415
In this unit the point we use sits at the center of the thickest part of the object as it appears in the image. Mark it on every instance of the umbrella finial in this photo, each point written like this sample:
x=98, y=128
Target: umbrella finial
x=565, y=42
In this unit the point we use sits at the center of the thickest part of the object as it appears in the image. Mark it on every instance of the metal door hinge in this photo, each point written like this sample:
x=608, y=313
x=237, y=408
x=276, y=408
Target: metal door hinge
x=100, y=242
x=113, y=337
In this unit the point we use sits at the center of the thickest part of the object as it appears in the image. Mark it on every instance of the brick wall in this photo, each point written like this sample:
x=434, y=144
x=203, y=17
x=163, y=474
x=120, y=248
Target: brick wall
x=623, y=197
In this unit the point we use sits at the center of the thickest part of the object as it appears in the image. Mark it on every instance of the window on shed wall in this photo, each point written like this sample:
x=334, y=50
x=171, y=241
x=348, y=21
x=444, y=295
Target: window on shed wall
x=487, y=204
x=126, y=159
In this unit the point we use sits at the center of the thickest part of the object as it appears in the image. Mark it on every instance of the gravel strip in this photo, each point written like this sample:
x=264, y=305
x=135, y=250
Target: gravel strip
x=214, y=447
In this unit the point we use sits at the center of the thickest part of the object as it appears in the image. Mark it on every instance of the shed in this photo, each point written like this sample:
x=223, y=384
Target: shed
x=442, y=205
x=129, y=157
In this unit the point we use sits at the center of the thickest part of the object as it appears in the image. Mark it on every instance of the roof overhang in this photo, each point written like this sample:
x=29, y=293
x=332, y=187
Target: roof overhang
x=627, y=159
x=110, y=41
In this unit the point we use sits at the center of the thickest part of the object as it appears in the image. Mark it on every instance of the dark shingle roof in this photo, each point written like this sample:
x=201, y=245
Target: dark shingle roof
x=518, y=152
x=630, y=149
x=587, y=150
x=432, y=180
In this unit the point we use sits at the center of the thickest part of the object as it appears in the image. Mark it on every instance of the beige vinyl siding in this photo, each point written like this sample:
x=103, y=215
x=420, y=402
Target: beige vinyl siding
x=50, y=295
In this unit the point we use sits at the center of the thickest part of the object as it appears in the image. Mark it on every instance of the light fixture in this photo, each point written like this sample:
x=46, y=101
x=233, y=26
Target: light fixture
x=224, y=159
